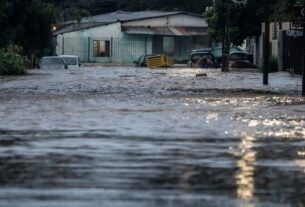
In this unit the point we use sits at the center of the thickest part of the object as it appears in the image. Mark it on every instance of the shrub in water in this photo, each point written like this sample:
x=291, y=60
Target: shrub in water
x=11, y=62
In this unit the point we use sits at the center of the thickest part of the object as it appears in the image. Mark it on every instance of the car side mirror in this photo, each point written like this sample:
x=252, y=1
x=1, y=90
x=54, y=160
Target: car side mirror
x=66, y=66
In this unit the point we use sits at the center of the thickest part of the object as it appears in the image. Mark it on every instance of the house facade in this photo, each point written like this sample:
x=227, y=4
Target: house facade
x=121, y=37
x=286, y=46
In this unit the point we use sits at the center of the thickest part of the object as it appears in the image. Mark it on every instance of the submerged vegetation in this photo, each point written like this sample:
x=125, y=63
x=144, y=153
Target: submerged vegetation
x=24, y=24
x=11, y=61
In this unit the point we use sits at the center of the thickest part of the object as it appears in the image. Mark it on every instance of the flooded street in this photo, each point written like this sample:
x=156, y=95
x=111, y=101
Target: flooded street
x=134, y=137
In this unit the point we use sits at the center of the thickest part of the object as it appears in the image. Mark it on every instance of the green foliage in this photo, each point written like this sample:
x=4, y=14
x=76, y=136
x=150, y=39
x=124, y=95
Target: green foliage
x=3, y=5
x=27, y=23
x=194, y=6
x=245, y=21
x=11, y=62
x=78, y=14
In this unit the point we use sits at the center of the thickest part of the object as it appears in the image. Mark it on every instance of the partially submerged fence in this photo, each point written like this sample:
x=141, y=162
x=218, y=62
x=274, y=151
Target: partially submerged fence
x=112, y=50
x=125, y=50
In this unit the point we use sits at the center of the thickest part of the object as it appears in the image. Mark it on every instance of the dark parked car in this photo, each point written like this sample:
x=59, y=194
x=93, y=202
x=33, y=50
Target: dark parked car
x=201, y=59
x=142, y=61
x=235, y=53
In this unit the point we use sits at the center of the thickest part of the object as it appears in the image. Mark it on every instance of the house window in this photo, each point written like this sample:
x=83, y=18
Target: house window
x=101, y=48
x=168, y=45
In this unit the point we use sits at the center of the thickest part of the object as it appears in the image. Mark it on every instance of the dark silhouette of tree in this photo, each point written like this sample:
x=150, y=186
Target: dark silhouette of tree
x=27, y=23
x=194, y=6
x=245, y=21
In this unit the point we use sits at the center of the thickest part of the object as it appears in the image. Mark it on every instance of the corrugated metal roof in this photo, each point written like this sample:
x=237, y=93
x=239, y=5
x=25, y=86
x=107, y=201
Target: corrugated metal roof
x=130, y=16
x=170, y=31
x=76, y=27
x=122, y=16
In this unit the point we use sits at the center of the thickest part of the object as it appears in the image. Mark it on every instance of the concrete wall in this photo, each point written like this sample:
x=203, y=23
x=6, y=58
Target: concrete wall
x=275, y=42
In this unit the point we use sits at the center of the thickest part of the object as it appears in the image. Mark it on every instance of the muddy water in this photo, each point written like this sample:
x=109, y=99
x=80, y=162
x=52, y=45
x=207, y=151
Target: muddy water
x=137, y=137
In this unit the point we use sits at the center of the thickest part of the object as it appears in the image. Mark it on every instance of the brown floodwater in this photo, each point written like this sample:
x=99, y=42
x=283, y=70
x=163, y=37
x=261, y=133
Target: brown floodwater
x=129, y=137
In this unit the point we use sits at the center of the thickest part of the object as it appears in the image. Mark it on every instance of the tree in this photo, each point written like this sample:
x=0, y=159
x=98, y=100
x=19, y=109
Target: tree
x=3, y=5
x=27, y=23
x=245, y=21
x=194, y=6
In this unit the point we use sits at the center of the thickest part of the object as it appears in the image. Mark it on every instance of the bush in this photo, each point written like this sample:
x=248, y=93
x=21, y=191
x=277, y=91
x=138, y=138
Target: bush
x=11, y=62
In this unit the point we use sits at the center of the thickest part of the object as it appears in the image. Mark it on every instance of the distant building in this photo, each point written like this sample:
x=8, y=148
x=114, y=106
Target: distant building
x=121, y=37
x=286, y=46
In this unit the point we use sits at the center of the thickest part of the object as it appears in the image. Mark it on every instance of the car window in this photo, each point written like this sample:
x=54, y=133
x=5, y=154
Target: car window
x=52, y=61
x=70, y=60
x=238, y=56
x=195, y=57
x=217, y=52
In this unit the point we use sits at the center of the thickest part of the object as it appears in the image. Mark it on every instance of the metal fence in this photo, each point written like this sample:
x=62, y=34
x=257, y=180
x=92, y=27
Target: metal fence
x=111, y=50
x=126, y=50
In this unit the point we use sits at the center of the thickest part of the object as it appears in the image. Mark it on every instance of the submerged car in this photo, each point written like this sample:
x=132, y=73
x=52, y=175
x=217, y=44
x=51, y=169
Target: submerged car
x=202, y=59
x=52, y=62
x=235, y=53
x=72, y=61
x=238, y=57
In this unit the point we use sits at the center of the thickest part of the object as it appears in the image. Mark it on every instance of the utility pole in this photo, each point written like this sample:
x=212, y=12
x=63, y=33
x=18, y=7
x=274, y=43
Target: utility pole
x=225, y=36
x=303, y=82
x=266, y=47
x=227, y=45
x=223, y=65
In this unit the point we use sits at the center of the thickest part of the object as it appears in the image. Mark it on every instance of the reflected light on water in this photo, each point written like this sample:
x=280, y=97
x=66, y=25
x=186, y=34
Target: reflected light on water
x=301, y=161
x=212, y=116
x=245, y=175
x=278, y=127
x=301, y=153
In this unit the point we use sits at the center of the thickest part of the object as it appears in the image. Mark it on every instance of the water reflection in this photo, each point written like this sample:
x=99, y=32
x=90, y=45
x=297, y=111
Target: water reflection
x=146, y=140
x=146, y=171
x=245, y=175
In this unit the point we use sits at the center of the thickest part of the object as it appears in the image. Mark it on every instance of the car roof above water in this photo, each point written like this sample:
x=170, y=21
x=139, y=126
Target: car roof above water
x=52, y=60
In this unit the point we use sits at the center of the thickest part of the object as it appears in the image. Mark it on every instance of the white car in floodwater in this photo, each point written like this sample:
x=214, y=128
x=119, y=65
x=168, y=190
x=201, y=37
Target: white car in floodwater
x=72, y=61
x=53, y=63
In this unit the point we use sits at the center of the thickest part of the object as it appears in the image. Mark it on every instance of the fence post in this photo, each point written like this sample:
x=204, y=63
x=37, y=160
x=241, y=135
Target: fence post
x=88, y=49
x=111, y=49
x=63, y=45
x=145, y=45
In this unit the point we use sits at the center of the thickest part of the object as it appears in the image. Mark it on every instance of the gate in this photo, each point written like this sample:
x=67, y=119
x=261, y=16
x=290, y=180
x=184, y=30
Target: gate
x=293, y=51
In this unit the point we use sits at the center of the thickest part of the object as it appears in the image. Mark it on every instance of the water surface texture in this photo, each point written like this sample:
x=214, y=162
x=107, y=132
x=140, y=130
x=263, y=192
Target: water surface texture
x=129, y=137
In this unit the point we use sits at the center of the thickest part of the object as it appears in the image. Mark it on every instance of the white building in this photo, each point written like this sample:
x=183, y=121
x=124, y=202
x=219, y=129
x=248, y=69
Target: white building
x=286, y=46
x=121, y=37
